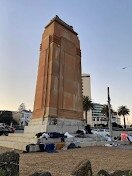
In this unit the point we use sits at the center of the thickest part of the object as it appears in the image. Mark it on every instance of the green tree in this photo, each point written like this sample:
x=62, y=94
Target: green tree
x=22, y=107
x=6, y=117
x=2, y=172
x=105, y=111
x=123, y=111
x=87, y=105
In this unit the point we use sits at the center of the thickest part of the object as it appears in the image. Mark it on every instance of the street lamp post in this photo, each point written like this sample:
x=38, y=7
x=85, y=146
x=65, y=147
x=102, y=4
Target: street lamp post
x=109, y=108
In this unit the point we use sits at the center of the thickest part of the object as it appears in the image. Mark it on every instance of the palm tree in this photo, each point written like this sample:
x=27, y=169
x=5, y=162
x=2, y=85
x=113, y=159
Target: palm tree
x=123, y=111
x=105, y=111
x=87, y=105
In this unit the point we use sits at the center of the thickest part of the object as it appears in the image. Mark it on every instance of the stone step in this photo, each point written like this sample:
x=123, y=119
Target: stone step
x=31, y=135
x=18, y=139
x=14, y=145
x=80, y=139
x=16, y=134
x=92, y=143
x=22, y=145
x=27, y=137
x=67, y=140
x=23, y=139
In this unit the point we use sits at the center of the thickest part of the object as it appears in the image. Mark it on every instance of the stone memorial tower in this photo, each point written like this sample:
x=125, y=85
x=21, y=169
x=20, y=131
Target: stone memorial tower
x=58, y=98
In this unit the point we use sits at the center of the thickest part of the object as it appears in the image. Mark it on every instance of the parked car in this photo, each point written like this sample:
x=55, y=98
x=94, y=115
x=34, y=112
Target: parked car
x=5, y=129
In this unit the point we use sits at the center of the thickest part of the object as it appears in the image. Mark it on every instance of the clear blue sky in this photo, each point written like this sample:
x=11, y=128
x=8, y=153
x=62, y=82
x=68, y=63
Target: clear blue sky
x=105, y=32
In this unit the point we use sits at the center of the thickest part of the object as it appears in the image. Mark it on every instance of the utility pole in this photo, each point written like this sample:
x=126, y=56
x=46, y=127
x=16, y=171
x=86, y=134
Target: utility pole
x=109, y=108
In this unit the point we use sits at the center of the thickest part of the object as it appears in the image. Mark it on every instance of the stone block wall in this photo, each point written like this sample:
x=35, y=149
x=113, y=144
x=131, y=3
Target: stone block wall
x=9, y=164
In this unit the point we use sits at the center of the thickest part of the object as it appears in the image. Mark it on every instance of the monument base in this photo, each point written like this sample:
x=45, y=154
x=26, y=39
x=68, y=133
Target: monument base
x=54, y=125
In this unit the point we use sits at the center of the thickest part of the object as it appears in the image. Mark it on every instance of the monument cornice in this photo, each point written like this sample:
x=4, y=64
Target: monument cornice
x=58, y=20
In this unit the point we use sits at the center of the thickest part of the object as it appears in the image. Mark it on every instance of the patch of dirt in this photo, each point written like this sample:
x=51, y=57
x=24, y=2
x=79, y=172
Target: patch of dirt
x=63, y=162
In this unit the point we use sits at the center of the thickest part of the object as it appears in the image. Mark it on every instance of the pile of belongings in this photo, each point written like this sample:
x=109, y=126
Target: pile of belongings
x=129, y=137
x=50, y=135
x=50, y=148
x=54, y=135
x=81, y=133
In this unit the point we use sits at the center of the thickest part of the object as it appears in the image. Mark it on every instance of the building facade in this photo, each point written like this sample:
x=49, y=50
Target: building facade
x=25, y=117
x=115, y=118
x=22, y=117
x=99, y=118
x=86, y=91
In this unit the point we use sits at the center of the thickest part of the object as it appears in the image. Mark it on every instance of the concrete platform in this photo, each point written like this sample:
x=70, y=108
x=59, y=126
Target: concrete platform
x=20, y=140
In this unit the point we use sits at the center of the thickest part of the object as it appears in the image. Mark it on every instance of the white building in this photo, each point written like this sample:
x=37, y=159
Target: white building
x=86, y=90
x=16, y=116
x=25, y=117
x=116, y=118
x=95, y=117
x=99, y=118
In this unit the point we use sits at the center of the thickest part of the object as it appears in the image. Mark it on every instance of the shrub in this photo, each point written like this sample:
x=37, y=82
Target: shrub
x=2, y=172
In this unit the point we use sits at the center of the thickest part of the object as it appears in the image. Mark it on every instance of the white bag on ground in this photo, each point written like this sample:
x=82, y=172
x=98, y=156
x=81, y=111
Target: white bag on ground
x=44, y=135
x=68, y=135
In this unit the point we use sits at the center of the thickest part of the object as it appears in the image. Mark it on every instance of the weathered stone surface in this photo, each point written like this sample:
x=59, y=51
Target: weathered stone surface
x=41, y=174
x=103, y=173
x=115, y=173
x=83, y=169
x=58, y=88
x=122, y=173
x=9, y=162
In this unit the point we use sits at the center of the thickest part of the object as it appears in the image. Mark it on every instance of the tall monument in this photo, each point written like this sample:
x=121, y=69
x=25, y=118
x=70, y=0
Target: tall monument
x=58, y=98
